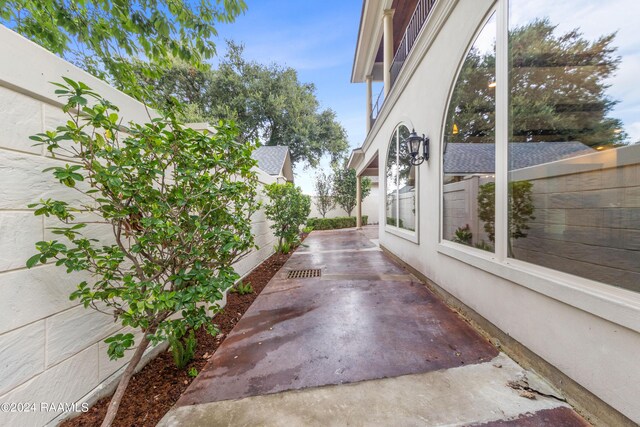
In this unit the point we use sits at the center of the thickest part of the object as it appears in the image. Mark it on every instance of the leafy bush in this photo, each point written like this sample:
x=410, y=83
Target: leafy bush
x=334, y=223
x=520, y=208
x=308, y=229
x=288, y=208
x=183, y=349
x=242, y=288
x=463, y=235
x=396, y=222
x=179, y=203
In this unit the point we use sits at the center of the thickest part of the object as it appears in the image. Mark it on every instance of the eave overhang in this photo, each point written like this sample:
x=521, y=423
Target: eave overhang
x=369, y=38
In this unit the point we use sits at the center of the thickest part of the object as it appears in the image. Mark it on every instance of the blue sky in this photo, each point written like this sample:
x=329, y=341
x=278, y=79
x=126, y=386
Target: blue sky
x=318, y=39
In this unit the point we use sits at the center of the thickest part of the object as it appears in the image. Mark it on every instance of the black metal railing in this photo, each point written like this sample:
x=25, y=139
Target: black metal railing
x=420, y=14
x=375, y=108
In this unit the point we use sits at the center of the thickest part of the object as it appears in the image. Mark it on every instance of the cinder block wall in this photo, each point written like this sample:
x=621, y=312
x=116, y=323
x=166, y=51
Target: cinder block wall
x=51, y=349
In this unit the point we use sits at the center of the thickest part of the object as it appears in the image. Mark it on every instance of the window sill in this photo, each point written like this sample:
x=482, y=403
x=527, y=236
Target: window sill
x=411, y=236
x=616, y=305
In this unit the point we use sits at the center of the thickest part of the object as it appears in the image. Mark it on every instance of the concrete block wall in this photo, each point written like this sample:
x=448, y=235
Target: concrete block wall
x=51, y=349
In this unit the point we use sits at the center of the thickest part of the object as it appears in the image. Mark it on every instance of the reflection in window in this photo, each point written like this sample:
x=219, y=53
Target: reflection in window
x=469, y=148
x=574, y=160
x=401, y=183
x=392, y=182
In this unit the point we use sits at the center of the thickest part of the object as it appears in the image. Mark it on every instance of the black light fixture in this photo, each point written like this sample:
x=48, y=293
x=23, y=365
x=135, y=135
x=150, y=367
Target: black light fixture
x=413, y=143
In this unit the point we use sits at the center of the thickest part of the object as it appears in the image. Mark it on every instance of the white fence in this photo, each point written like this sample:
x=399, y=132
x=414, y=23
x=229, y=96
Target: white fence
x=586, y=215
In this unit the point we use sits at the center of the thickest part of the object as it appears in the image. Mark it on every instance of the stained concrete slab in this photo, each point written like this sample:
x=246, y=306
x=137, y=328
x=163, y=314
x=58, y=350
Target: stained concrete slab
x=364, y=344
x=364, y=318
x=556, y=417
x=452, y=397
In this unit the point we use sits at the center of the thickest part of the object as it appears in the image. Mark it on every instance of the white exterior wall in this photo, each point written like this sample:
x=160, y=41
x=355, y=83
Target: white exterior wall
x=588, y=330
x=51, y=348
x=369, y=207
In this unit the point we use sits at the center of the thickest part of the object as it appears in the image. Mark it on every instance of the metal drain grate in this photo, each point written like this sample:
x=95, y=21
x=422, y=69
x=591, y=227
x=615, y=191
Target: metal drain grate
x=303, y=274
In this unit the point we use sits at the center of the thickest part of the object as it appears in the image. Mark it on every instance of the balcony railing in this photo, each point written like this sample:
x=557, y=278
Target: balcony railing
x=375, y=108
x=420, y=14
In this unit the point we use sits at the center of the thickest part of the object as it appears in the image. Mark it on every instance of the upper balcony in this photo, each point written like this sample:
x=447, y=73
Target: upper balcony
x=388, y=31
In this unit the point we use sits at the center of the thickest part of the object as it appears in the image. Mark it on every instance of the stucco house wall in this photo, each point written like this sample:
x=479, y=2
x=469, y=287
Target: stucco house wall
x=51, y=349
x=588, y=330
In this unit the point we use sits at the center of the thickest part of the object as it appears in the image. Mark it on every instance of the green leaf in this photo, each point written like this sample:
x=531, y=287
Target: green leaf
x=31, y=262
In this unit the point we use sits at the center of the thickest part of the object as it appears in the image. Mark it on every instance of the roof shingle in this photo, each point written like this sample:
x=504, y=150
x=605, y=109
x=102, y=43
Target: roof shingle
x=271, y=158
x=463, y=158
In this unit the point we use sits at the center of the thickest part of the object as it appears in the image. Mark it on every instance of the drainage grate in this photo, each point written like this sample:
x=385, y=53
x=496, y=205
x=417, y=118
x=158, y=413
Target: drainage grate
x=303, y=274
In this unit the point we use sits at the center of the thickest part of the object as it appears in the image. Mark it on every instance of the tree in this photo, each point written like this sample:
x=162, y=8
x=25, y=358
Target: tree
x=288, y=208
x=558, y=85
x=267, y=102
x=521, y=209
x=344, y=189
x=324, y=200
x=101, y=36
x=179, y=203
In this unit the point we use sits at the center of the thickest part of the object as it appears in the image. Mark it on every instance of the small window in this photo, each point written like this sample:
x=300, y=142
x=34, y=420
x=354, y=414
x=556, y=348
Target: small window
x=400, y=183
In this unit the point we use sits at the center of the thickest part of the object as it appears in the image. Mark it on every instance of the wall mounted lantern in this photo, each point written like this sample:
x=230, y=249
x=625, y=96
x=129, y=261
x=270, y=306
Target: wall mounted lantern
x=413, y=142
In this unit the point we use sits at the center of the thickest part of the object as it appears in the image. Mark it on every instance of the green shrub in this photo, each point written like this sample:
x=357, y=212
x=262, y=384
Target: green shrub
x=335, y=223
x=288, y=208
x=463, y=235
x=396, y=222
x=179, y=203
x=242, y=288
x=308, y=229
x=183, y=349
x=521, y=210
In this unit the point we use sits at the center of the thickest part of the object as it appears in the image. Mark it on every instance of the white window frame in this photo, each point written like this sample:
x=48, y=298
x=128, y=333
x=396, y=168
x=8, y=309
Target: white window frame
x=396, y=230
x=609, y=302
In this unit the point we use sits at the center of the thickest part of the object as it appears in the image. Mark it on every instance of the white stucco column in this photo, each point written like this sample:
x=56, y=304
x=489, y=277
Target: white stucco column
x=387, y=22
x=358, y=202
x=369, y=79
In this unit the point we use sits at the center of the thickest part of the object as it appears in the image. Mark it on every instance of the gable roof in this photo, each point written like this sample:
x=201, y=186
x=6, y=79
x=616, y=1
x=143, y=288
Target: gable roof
x=465, y=158
x=271, y=159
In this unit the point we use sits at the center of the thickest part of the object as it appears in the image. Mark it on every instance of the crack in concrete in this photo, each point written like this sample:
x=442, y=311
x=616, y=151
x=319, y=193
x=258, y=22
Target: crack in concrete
x=530, y=391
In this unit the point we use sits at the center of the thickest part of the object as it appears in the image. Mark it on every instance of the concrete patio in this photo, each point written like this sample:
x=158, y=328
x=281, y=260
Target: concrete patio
x=363, y=344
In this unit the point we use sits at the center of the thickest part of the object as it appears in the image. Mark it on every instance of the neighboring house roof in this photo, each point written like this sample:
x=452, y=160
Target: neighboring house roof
x=272, y=159
x=466, y=158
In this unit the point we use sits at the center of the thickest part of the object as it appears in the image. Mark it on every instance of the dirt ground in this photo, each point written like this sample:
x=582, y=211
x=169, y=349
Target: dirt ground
x=154, y=390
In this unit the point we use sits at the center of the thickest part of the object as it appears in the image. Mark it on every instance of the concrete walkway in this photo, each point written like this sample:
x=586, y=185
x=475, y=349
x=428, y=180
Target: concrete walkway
x=362, y=344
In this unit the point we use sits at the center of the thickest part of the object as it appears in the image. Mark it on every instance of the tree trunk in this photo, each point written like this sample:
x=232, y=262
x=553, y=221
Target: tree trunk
x=112, y=410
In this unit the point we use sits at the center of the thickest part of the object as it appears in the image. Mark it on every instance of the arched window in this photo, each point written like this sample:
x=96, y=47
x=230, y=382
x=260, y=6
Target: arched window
x=469, y=147
x=400, y=183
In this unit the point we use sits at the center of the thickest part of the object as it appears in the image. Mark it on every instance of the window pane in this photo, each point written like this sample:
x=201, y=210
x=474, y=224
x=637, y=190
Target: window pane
x=392, y=181
x=574, y=160
x=469, y=148
x=406, y=183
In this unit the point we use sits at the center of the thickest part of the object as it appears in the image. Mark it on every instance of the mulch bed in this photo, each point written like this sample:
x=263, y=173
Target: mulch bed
x=157, y=387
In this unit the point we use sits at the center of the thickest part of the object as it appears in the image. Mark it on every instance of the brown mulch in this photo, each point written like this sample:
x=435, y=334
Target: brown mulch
x=157, y=387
